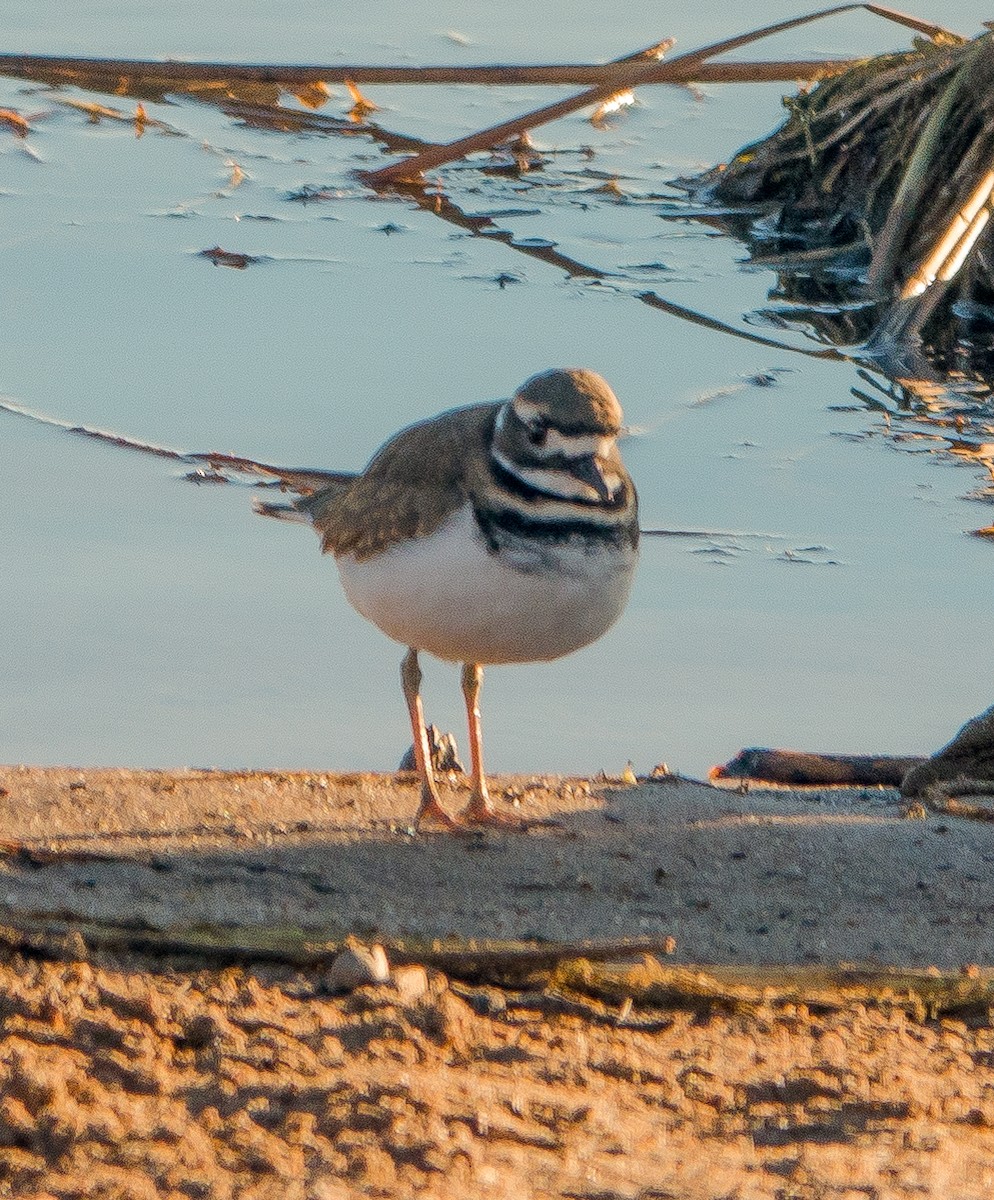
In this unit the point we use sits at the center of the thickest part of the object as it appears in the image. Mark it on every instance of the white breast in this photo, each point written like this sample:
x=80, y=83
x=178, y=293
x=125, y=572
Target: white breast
x=448, y=595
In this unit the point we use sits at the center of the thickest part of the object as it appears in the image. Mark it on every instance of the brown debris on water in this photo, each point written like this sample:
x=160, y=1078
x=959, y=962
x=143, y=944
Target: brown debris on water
x=228, y=258
x=17, y=124
x=872, y=198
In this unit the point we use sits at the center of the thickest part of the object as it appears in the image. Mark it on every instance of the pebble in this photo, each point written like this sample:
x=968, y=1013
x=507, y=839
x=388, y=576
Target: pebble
x=357, y=966
x=410, y=983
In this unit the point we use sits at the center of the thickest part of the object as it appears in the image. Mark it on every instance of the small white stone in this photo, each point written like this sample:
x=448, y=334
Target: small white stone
x=411, y=982
x=356, y=966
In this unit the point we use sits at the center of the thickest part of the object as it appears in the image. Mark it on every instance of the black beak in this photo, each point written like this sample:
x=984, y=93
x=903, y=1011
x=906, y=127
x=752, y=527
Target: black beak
x=589, y=470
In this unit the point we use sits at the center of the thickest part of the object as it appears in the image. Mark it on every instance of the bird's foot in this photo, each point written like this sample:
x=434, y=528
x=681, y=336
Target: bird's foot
x=431, y=812
x=480, y=811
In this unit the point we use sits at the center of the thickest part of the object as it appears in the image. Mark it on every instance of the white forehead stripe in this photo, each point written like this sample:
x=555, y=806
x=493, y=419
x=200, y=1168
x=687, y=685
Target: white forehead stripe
x=528, y=412
x=577, y=445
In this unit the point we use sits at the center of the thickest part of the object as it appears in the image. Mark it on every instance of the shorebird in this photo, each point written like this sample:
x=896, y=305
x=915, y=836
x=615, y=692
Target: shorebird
x=502, y=532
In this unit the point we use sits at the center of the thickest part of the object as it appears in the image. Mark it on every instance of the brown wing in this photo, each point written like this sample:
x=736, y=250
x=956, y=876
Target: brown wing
x=414, y=482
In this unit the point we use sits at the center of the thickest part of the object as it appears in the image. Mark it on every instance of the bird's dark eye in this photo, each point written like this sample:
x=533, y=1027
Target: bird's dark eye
x=537, y=434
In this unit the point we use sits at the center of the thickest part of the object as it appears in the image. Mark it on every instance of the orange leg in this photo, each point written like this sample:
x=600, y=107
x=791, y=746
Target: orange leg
x=431, y=806
x=480, y=809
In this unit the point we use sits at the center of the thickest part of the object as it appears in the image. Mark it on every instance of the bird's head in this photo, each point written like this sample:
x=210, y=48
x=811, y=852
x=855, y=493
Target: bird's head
x=565, y=421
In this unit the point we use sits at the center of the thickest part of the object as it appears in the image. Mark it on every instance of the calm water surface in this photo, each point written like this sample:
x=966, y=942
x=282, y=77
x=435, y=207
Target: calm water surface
x=152, y=622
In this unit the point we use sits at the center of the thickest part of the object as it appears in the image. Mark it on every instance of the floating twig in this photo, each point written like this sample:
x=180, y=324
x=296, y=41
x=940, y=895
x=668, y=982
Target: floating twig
x=634, y=69
x=411, y=169
x=153, y=72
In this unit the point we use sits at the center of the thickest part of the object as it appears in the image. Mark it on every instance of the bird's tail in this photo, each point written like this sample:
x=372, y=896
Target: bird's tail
x=282, y=512
x=230, y=468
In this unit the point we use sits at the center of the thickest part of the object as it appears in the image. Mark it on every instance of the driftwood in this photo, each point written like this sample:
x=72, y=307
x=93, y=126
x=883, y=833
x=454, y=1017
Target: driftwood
x=801, y=768
x=650, y=984
x=570, y=975
x=966, y=762
x=964, y=767
x=495, y=961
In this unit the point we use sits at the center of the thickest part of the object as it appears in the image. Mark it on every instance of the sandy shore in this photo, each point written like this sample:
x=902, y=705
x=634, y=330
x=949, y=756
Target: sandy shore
x=125, y=1074
x=822, y=875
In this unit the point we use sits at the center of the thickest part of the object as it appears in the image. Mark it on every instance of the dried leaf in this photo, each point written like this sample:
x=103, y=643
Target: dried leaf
x=361, y=107
x=96, y=112
x=17, y=124
x=312, y=95
x=612, y=105
x=228, y=258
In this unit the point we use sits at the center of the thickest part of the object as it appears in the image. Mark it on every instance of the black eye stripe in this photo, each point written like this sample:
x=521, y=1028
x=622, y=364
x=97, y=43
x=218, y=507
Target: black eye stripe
x=508, y=481
x=555, y=460
x=585, y=431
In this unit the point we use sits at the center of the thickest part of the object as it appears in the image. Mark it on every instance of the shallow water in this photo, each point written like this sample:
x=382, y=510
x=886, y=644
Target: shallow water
x=156, y=623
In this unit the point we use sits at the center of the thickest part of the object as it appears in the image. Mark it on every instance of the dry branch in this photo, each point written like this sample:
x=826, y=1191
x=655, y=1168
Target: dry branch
x=566, y=970
x=32, y=66
x=475, y=960
x=410, y=169
x=921, y=994
x=634, y=69
x=614, y=75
